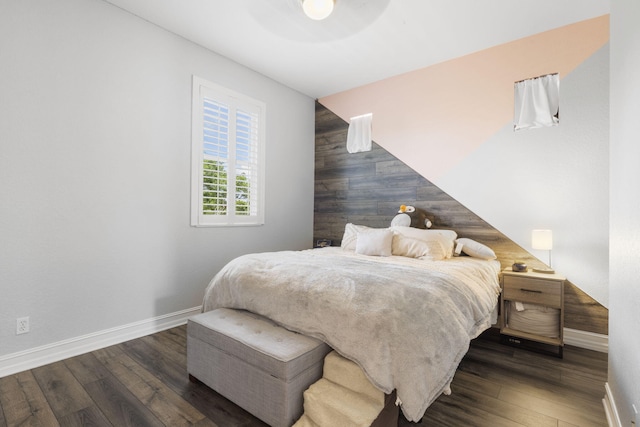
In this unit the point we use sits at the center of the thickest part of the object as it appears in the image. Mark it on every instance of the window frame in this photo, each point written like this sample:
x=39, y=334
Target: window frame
x=236, y=102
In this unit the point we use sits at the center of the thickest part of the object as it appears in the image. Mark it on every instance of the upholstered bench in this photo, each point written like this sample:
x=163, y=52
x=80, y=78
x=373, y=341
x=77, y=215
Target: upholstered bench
x=253, y=362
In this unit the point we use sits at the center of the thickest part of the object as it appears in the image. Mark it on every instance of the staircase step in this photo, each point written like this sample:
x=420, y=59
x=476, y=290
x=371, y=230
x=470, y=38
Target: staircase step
x=305, y=421
x=348, y=374
x=329, y=404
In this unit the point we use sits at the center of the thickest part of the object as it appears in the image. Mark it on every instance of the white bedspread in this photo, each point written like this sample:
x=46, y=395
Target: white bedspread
x=406, y=322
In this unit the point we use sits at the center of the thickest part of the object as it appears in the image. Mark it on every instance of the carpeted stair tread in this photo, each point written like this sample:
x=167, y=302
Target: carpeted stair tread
x=348, y=374
x=329, y=404
x=305, y=421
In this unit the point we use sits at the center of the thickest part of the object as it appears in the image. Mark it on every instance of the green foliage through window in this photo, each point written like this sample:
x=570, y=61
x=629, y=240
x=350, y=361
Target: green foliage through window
x=214, y=192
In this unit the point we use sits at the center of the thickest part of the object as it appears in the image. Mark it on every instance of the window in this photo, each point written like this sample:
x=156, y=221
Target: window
x=227, y=185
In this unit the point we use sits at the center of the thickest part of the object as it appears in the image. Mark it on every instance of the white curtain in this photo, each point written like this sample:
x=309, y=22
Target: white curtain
x=536, y=102
x=359, y=133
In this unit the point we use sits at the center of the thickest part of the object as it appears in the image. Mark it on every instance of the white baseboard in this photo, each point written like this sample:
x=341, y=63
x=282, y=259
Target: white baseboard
x=610, y=409
x=32, y=358
x=588, y=340
x=39, y=356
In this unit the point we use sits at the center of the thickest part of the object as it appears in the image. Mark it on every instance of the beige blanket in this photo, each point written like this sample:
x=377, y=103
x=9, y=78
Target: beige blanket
x=406, y=322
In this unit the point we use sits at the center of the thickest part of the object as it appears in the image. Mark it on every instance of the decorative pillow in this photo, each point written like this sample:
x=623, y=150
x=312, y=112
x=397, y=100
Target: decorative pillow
x=448, y=240
x=423, y=244
x=417, y=248
x=476, y=249
x=375, y=242
x=350, y=235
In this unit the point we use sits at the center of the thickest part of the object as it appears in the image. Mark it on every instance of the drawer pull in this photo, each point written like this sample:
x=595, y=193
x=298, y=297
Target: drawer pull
x=531, y=290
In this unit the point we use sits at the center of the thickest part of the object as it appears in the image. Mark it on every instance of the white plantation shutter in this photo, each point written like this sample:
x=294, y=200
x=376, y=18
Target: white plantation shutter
x=215, y=148
x=247, y=161
x=228, y=157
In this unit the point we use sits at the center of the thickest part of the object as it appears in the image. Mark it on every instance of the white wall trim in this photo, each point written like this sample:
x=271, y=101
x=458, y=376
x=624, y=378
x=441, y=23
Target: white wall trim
x=39, y=356
x=610, y=409
x=588, y=340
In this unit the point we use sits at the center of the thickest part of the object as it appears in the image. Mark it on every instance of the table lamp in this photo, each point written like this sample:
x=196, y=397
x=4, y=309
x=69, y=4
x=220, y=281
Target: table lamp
x=543, y=240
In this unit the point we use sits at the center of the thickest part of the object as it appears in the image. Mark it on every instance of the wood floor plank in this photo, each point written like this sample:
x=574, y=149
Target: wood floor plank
x=586, y=358
x=3, y=420
x=451, y=411
x=169, y=348
x=166, y=405
x=101, y=381
x=585, y=416
x=525, y=369
x=530, y=375
x=91, y=416
x=172, y=373
x=119, y=405
x=144, y=382
x=587, y=363
x=86, y=368
x=537, y=389
x=475, y=393
x=474, y=382
x=23, y=402
x=589, y=386
x=217, y=408
x=62, y=390
x=473, y=396
x=177, y=334
x=221, y=411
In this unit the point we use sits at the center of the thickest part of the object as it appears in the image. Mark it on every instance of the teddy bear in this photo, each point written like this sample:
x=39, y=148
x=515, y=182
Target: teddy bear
x=410, y=216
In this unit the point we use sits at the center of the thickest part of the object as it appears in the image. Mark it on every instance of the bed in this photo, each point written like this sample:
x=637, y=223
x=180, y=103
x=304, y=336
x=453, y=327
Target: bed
x=396, y=301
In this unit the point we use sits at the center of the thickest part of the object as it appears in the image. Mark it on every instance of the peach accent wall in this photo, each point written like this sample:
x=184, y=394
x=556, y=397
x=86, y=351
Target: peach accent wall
x=434, y=117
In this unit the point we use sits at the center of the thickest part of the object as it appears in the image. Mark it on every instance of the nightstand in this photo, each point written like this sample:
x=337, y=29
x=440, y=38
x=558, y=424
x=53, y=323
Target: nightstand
x=542, y=322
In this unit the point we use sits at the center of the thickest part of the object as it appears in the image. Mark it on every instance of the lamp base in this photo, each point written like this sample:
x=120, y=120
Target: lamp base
x=544, y=270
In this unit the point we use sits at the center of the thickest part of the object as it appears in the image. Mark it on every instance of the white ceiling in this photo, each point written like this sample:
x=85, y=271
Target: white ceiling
x=363, y=41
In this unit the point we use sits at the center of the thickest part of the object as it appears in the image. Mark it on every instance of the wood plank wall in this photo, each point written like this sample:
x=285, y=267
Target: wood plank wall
x=368, y=188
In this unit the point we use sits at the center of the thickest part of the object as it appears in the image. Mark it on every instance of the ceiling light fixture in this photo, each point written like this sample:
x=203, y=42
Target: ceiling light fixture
x=318, y=9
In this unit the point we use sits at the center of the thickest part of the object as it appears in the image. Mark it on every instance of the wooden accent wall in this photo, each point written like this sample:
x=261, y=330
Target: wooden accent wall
x=368, y=188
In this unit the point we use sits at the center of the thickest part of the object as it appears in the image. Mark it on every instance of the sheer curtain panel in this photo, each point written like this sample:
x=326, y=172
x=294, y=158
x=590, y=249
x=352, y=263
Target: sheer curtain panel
x=536, y=102
x=359, y=133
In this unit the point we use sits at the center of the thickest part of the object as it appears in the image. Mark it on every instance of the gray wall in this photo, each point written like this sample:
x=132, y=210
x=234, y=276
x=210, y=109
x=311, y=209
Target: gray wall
x=555, y=178
x=624, y=288
x=95, y=128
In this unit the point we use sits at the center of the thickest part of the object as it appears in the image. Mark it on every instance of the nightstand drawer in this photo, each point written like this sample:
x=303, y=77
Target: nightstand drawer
x=536, y=291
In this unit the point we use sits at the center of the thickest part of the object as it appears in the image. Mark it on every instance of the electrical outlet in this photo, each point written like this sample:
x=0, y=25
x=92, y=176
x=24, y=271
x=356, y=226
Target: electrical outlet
x=22, y=325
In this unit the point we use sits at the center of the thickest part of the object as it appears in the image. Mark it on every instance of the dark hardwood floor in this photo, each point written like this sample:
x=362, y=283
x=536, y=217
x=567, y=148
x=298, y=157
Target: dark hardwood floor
x=144, y=382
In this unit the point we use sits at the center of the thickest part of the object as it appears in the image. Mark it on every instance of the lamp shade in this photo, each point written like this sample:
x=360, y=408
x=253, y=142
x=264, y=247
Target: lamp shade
x=542, y=239
x=317, y=9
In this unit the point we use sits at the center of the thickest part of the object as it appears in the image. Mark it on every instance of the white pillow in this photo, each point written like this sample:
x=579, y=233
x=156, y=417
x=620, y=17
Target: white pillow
x=375, y=242
x=476, y=249
x=416, y=248
x=350, y=235
x=425, y=244
x=448, y=240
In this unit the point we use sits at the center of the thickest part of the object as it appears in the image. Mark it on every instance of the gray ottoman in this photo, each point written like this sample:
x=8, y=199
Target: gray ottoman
x=256, y=364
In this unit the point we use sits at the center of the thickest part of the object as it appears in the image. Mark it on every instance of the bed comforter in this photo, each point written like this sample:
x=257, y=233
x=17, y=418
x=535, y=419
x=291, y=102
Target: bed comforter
x=407, y=323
